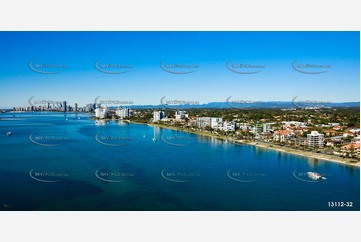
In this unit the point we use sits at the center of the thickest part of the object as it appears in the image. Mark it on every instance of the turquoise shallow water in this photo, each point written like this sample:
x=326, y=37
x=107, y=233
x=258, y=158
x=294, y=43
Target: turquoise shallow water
x=56, y=161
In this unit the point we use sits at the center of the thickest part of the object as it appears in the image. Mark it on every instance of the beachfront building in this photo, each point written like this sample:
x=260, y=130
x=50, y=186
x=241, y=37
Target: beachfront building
x=181, y=115
x=283, y=135
x=214, y=123
x=228, y=126
x=351, y=150
x=122, y=112
x=260, y=127
x=158, y=115
x=102, y=112
x=97, y=112
x=332, y=143
x=315, y=139
x=351, y=147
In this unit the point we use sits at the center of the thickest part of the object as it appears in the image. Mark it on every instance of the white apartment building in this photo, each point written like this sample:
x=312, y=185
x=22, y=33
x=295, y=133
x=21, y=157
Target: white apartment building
x=266, y=127
x=102, y=112
x=122, y=112
x=181, y=115
x=214, y=123
x=315, y=139
x=258, y=128
x=158, y=115
x=228, y=126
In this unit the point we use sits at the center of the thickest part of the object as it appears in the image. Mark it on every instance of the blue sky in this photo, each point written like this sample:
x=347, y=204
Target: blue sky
x=147, y=83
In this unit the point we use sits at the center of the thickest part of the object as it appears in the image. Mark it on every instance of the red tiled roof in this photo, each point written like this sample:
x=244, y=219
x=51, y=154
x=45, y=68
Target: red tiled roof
x=283, y=132
x=349, y=146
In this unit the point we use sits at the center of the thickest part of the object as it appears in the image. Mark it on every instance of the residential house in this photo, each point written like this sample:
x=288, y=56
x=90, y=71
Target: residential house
x=283, y=135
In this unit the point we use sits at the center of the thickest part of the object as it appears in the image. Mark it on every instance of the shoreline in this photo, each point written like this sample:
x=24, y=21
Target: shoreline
x=307, y=154
x=335, y=159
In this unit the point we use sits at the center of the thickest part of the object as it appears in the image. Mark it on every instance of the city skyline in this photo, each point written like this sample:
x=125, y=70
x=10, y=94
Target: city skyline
x=58, y=106
x=143, y=67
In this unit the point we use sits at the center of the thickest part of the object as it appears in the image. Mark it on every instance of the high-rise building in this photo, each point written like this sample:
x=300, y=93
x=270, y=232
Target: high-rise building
x=102, y=112
x=261, y=127
x=266, y=127
x=65, y=107
x=315, y=139
x=122, y=112
x=158, y=115
x=181, y=115
x=203, y=122
x=89, y=108
x=75, y=107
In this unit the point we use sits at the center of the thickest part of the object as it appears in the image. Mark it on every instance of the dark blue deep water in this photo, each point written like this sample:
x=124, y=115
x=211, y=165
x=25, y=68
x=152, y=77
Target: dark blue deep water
x=55, y=161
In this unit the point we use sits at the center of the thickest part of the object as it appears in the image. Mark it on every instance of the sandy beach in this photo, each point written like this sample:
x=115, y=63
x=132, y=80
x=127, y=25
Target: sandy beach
x=345, y=161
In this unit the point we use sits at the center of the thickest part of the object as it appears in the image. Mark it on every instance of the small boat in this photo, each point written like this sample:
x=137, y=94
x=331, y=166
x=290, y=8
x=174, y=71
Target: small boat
x=9, y=133
x=315, y=176
x=154, y=139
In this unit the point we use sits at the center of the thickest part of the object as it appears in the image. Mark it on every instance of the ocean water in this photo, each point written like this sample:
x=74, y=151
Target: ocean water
x=67, y=162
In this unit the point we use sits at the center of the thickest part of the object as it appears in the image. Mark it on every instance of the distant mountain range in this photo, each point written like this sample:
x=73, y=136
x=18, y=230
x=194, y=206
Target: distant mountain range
x=253, y=105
